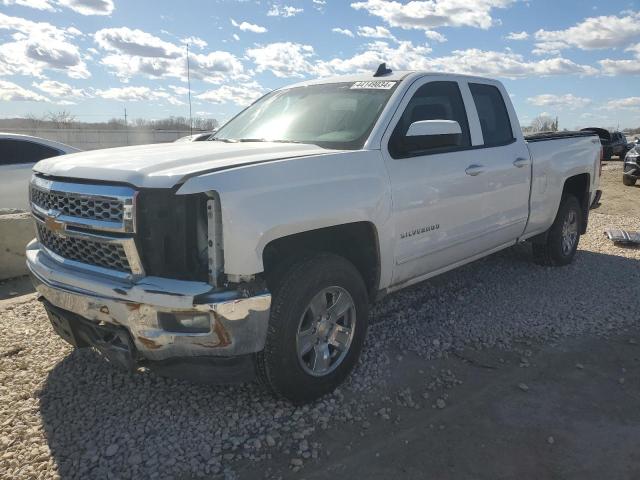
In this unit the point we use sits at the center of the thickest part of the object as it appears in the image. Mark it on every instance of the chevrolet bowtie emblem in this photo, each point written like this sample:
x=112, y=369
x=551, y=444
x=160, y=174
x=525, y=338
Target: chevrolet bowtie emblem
x=53, y=224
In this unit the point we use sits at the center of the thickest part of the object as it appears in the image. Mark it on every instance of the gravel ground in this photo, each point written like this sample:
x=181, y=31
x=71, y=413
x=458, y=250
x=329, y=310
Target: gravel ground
x=620, y=199
x=68, y=414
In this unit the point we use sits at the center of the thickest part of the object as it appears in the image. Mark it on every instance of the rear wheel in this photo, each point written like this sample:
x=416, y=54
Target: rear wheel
x=628, y=181
x=562, y=238
x=316, y=330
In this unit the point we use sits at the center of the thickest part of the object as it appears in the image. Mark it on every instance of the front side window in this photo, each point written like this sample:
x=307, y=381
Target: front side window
x=335, y=115
x=432, y=101
x=23, y=151
x=493, y=115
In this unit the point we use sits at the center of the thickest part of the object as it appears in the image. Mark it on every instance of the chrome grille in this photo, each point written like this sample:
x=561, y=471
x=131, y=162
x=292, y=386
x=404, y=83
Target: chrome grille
x=79, y=206
x=106, y=255
x=87, y=226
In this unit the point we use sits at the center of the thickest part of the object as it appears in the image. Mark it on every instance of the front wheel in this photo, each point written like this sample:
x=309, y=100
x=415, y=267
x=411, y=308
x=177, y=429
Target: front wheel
x=561, y=242
x=628, y=181
x=316, y=329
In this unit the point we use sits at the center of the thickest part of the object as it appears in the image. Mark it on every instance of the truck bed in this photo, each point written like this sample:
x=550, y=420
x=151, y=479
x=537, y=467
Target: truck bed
x=538, y=137
x=556, y=156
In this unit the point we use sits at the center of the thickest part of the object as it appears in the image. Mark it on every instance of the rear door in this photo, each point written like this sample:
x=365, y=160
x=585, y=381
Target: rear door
x=506, y=163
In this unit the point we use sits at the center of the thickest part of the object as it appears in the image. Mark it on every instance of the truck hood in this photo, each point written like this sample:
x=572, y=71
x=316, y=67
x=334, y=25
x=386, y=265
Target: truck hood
x=163, y=165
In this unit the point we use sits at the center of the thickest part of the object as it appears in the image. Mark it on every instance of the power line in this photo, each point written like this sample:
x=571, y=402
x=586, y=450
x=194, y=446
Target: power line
x=189, y=84
x=126, y=125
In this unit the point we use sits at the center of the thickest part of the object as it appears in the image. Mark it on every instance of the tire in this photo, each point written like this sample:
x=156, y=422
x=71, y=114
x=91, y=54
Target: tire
x=628, y=181
x=553, y=251
x=281, y=366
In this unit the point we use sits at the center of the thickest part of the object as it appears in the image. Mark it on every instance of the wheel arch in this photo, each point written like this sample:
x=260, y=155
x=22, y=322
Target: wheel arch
x=358, y=242
x=578, y=186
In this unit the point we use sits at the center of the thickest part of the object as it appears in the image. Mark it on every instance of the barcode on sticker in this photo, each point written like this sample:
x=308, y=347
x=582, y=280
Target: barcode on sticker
x=374, y=85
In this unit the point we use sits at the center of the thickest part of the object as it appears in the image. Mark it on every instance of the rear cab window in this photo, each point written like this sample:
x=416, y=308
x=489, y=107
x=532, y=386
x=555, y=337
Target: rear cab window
x=493, y=115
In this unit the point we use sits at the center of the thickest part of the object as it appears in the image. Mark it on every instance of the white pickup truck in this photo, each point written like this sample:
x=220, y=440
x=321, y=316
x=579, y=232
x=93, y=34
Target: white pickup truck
x=258, y=252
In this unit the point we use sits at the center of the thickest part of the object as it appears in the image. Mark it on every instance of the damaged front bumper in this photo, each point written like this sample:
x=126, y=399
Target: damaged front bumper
x=124, y=318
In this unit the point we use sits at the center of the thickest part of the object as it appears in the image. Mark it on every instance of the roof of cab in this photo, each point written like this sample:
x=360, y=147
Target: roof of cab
x=393, y=77
x=362, y=77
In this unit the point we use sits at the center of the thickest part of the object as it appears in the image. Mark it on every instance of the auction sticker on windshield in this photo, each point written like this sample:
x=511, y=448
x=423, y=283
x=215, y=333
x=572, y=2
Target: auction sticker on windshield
x=373, y=85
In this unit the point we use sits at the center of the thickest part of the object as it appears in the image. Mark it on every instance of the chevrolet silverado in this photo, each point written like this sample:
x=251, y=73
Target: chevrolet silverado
x=258, y=252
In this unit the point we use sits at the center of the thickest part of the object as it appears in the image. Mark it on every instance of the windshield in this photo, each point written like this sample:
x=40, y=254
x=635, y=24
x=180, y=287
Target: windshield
x=336, y=115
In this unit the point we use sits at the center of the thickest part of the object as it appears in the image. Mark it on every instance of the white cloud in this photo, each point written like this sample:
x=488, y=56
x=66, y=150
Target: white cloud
x=248, y=27
x=630, y=103
x=635, y=49
x=137, y=94
x=435, y=36
x=37, y=4
x=213, y=67
x=591, y=34
x=286, y=11
x=236, y=37
x=135, y=42
x=283, y=59
x=241, y=95
x=375, y=32
x=319, y=5
x=342, y=31
x=89, y=7
x=178, y=90
x=407, y=56
x=517, y=36
x=11, y=92
x=429, y=14
x=404, y=56
x=625, y=66
x=196, y=41
x=563, y=101
x=60, y=89
x=506, y=64
x=135, y=52
x=620, y=67
x=38, y=46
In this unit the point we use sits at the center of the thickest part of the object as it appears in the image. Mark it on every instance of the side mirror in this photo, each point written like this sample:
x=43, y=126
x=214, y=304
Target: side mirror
x=424, y=128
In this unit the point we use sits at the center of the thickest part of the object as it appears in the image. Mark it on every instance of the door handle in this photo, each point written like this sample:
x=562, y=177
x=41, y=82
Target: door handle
x=474, y=170
x=520, y=162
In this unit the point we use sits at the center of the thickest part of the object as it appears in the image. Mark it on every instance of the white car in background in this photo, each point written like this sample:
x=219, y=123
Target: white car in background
x=18, y=155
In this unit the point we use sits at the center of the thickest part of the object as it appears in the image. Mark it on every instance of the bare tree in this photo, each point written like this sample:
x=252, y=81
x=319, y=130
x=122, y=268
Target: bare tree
x=33, y=120
x=544, y=124
x=62, y=119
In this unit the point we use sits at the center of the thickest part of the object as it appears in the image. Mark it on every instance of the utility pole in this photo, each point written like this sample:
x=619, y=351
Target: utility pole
x=189, y=84
x=126, y=125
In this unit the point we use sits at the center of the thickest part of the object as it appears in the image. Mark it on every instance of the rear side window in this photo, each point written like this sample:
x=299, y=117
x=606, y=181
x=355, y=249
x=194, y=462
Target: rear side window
x=21, y=151
x=432, y=101
x=492, y=112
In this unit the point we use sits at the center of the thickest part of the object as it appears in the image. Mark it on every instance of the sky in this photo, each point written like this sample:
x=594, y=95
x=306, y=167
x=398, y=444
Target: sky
x=575, y=59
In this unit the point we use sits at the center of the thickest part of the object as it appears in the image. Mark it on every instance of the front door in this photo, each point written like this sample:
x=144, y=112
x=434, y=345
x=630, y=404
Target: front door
x=438, y=192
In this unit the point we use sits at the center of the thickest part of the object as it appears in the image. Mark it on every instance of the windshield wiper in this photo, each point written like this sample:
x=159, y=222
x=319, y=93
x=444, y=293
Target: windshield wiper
x=249, y=140
x=266, y=140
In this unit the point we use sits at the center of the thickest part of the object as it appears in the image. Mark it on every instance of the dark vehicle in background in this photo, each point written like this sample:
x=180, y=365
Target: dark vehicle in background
x=18, y=155
x=619, y=145
x=613, y=143
x=631, y=171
